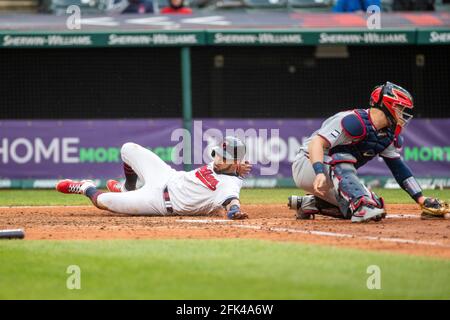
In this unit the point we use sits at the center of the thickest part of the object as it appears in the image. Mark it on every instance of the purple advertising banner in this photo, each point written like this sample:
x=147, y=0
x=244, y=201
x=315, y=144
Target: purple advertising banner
x=51, y=149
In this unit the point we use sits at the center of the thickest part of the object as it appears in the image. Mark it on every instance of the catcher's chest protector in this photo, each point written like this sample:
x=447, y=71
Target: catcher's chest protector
x=370, y=144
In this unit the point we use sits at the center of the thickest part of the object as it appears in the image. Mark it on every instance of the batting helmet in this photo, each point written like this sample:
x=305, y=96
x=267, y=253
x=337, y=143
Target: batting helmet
x=394, y=101
x=231, y=148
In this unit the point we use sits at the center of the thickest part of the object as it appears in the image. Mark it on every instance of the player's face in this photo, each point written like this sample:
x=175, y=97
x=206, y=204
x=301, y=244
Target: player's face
x=224, y=165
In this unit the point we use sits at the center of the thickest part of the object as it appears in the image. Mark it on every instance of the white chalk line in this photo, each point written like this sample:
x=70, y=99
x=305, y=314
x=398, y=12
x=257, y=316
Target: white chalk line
x=315, y=232
x=402, y=216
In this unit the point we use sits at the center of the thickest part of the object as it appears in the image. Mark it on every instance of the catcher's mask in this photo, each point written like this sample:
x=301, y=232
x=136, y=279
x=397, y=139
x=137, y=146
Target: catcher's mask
x=231, y=149
x=394, y=101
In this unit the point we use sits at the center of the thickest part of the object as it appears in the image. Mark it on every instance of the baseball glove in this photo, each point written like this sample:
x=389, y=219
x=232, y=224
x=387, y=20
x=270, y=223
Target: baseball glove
x=434, y=209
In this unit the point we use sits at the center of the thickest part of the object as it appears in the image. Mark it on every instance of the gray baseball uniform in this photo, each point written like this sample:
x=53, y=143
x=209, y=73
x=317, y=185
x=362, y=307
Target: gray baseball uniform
x=332, y=131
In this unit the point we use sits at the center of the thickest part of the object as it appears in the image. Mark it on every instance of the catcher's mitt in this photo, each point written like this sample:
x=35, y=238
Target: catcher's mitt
x=434, y=209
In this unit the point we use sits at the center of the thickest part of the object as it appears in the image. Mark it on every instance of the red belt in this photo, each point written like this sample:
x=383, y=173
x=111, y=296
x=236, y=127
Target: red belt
x=167, y=201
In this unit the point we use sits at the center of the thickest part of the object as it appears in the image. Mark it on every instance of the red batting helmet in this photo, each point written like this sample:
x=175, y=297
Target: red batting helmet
x=394, y=101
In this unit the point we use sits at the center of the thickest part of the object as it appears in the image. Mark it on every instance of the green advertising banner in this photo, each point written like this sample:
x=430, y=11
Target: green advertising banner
x=97, y=39
x=433, y=36
x=249, y=37
x=310, y=37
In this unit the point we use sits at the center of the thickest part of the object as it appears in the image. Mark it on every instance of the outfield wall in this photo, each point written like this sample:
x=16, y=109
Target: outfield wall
x=272, y=69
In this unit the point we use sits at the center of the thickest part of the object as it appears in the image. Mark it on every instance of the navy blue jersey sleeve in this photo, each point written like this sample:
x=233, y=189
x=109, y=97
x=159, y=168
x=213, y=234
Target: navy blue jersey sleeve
x=404, y=177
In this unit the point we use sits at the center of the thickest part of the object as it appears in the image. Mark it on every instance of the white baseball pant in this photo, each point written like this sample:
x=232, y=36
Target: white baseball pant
x=153, y=172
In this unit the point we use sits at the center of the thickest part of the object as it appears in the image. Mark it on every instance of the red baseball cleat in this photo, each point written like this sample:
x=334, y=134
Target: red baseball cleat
x=75, y=187
x=113, y=186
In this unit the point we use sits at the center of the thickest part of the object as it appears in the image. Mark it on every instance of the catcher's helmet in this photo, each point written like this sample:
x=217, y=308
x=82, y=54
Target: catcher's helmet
x=231, y=148
x=394, y=101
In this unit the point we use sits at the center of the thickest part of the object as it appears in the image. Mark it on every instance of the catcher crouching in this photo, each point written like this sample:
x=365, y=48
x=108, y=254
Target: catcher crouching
x=152, y=187
x=326, y=164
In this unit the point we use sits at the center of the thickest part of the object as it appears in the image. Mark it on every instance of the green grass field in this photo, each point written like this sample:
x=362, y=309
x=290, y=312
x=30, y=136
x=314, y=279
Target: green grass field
x=210, y=269
x=249, y=196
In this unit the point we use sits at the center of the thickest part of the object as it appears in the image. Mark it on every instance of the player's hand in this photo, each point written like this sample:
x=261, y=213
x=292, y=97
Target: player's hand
x=433, y=208
x=235, y=213
x=320, y=184
x=244, y=168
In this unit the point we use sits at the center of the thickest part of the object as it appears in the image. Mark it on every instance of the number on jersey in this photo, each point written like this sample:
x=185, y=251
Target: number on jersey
x=207, y=178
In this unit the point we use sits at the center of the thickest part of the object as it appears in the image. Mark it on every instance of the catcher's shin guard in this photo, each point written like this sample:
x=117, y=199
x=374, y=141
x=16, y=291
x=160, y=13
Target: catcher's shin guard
x=356, y=202
x=308, y=206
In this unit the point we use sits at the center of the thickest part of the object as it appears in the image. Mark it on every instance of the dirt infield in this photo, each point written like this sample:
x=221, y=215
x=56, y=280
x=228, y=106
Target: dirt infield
x=401, y=232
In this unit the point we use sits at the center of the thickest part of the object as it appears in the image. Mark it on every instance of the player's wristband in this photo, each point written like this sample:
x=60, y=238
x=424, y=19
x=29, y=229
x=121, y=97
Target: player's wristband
x=318, y=167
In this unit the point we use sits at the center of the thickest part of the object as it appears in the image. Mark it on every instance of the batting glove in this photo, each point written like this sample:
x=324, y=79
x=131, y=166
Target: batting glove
x=235, y=213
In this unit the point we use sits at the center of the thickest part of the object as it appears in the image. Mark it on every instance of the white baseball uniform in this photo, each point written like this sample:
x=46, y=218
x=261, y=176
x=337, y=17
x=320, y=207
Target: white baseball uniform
x=198, y=191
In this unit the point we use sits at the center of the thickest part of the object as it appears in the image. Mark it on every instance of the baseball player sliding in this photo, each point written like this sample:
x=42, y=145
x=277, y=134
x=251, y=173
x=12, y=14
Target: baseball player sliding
x=165, y=191
x=325, y=166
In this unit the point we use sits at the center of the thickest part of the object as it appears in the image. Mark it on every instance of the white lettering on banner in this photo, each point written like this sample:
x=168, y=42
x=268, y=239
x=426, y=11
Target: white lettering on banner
x=40, y=149
x=4, y=150
x=363, y=38
x=263, y=147
x=14, y=152
x=175, y=39
x=234, y=38
x=280, y=38
x=439, y=37
x=157, y=39
x=51, y=40
x=69, y=41
x=115, y=39
x=23, y=150
x=339, y=38
x=267, y=38
x=67, y=149
x=24, y=41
